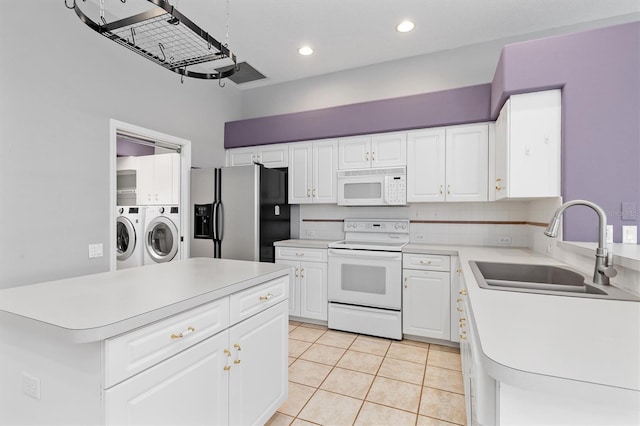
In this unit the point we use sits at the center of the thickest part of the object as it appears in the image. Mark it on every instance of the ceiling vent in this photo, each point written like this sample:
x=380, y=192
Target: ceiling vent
x=245, y=73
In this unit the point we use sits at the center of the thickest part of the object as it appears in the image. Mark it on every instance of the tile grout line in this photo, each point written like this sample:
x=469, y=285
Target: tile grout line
x=375, y=375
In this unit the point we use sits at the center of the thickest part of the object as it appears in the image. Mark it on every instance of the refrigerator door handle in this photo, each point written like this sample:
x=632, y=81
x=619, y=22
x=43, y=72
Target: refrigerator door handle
x=221, y=213
x=214, y=220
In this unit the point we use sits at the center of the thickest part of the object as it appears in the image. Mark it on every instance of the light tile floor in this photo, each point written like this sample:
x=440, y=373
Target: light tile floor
x=338, y=378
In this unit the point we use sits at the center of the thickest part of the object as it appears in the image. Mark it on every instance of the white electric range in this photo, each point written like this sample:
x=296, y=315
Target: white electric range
x=365, y=277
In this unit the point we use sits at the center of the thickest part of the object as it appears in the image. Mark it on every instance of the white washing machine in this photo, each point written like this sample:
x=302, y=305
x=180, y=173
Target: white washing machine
x=161, y=234
x=129, y=236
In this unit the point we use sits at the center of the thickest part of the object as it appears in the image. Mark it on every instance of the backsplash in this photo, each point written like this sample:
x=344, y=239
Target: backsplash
x=502, y=223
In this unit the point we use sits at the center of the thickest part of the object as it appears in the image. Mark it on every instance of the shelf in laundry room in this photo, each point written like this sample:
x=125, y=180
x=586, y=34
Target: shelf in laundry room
x=126, y=191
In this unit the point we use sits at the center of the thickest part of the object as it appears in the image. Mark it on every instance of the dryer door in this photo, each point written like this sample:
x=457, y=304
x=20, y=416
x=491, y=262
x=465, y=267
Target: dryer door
x=125, y=238
x=162, y=239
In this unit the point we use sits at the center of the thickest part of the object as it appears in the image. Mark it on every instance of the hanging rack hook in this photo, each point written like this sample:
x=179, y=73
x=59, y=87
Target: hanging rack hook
x=73, y=5
x=133, y=35
x=164, y=57
x=184, y=71
x=220, y=83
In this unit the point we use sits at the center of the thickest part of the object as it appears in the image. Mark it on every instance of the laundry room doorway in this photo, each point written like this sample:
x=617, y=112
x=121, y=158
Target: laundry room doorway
x=149, y=173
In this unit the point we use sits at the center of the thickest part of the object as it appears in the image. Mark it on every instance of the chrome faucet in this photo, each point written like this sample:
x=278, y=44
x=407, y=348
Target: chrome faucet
x=604, y=258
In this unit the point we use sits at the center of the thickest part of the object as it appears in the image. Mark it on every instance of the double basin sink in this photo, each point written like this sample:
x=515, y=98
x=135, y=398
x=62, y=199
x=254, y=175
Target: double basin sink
x=544, y=279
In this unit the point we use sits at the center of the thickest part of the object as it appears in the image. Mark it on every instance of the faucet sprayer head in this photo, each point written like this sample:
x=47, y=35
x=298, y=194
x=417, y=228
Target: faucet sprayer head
x=552, y=229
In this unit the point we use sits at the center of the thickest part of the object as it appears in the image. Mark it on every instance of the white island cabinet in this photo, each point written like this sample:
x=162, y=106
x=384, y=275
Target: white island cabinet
x=200, y=341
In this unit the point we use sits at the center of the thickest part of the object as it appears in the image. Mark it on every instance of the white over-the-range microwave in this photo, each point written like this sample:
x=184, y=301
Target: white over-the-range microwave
x=373, y=187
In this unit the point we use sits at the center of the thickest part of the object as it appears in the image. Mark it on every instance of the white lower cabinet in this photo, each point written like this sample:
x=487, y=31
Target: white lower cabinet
x=425, y=310
x=308, y=291
x=259, y=367
x=164, y=394
x=238, y=376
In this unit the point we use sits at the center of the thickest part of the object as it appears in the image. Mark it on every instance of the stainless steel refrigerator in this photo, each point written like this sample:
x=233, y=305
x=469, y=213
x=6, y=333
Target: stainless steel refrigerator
x=238, y=212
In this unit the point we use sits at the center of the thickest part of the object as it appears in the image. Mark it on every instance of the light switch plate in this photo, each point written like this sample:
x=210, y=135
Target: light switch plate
x=95, y=250
x=629, y=211
x=629, y=235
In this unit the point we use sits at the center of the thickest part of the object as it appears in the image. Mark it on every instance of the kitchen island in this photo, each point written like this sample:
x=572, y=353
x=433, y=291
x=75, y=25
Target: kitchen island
x=197, y=341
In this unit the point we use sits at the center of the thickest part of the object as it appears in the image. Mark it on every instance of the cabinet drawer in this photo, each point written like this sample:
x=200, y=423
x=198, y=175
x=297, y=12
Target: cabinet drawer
x=301, y=254
x=256, y=299
x=130, y=353
x=429, y=262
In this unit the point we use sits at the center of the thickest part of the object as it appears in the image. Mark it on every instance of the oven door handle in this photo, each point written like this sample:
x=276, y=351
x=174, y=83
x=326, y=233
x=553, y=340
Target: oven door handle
x=369, y=254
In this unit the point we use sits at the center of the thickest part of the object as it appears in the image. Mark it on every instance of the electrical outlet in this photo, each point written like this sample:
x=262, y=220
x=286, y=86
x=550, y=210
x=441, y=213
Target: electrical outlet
x=419, y=237
x=504, y=241
x=95, y=250
x=630, y=235
x=31, y=386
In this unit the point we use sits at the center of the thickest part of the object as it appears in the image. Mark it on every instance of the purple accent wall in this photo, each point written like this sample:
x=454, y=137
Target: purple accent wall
x=126, y=148
x=456, y=106
x=599, y=72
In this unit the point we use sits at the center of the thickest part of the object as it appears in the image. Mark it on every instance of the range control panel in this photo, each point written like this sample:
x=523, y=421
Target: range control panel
x=399, y=226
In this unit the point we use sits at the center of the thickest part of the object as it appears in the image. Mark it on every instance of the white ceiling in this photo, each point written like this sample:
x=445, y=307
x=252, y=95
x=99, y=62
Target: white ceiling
x=353, y=33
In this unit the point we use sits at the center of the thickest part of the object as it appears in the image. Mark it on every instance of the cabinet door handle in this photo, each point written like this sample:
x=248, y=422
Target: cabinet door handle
x=301, y=272
x=366, y=156
x=448, y=189
x=297, y=273
x=441, y=189
x=373, y=156
x=313, y=192
x=181, y=335
x=308, y=192
x=227, y=367
x=267, y=297
x=238, y=349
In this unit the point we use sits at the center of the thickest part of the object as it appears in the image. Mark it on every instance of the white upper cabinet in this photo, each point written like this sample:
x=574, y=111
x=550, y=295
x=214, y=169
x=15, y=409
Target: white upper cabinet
x=271, y=156
x=426, y=165
x=380, y=150
x=528, y=133
x=448, y=164
x=312, y=172
x=467, y=162
x=158, y=179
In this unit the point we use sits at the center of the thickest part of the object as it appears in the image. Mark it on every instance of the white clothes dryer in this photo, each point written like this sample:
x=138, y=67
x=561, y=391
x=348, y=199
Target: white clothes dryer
x=161, y=234
x=129, y=236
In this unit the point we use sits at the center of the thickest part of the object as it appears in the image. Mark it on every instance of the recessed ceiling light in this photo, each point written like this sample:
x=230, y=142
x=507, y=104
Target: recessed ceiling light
x=305, y=51
x=405, y=26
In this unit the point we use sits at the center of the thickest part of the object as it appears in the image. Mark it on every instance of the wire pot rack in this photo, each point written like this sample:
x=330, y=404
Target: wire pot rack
x=166, y=37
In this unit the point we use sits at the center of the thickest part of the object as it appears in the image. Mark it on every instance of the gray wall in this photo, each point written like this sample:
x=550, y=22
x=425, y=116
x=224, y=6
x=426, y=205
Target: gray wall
x=464, y=66
x=60, y=83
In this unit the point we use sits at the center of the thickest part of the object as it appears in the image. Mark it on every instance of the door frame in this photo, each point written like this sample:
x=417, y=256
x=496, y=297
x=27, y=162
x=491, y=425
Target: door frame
x=185, y=176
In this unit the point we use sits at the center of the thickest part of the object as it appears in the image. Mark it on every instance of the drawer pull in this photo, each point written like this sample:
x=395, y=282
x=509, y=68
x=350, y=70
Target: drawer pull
x=463, y=292
x=428, y=262
x=459, y=310
x=463, y=335
x=181, y=335
x=267, y=297
x=299, y=254
x=458, y=300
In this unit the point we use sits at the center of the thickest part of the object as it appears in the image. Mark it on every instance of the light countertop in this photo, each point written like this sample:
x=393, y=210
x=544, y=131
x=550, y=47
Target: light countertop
x=95, y=307
x=581, y=339
x=321, y=244
x=627, y=255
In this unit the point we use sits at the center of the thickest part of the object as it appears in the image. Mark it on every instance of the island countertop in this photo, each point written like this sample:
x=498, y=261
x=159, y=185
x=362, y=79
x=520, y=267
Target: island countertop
x=96, y=307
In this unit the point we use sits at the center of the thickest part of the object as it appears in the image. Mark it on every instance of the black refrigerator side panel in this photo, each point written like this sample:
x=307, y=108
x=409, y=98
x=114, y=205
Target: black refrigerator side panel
x=274, y=211
x=202, y=197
